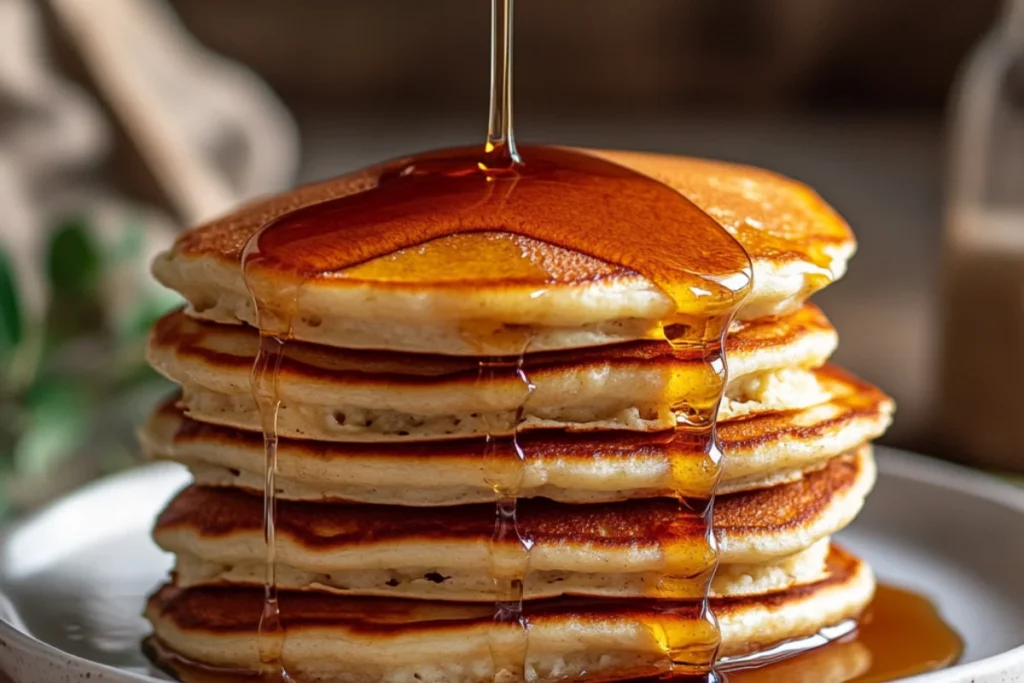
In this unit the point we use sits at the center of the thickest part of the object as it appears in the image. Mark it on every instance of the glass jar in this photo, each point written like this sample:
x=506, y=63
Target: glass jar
x=980, y=397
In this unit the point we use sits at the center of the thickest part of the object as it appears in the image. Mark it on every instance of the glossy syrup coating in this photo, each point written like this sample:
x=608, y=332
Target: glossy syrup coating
x=561, y=197
x=900, y=634
x=558, y=197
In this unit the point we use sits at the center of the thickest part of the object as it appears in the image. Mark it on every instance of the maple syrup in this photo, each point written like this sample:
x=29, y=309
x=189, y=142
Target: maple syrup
x=450, y=192
x=265, y=376
x=509, y=549
x=558, y=196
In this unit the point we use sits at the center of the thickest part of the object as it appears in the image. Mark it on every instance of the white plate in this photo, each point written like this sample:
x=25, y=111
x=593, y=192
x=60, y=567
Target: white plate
x=74, y=576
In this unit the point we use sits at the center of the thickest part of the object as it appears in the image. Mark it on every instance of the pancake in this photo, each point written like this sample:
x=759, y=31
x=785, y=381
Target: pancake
x=573, y=468
x=349, y=395
x=338, y=638
x=730, y=580
x=476, y=293
x=619, y=549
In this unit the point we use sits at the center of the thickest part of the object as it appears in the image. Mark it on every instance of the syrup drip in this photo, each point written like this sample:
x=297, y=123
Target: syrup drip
x=265, y=376
x=274, y=331
x=510, y=546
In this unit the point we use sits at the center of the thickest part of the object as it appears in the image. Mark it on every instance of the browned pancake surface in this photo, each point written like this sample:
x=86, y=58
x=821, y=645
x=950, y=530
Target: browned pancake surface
x=775, y=218
x=856, y=399
x=223, y=511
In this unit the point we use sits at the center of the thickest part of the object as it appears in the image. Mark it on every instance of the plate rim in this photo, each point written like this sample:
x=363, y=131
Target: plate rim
x=961, y=479
x=894, y=462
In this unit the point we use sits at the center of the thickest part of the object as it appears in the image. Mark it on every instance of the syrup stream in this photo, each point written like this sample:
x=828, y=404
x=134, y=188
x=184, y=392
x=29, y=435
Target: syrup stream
x=500, y=149
x=509, y=550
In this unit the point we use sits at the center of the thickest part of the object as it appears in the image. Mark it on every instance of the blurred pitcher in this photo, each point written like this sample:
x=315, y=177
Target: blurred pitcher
x=980, y=399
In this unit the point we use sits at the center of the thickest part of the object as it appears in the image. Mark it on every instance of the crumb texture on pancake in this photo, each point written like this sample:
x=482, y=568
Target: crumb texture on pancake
x=346, y=395
x=596, y=467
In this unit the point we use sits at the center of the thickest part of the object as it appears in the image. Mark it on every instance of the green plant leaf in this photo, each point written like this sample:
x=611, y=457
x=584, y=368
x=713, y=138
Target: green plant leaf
x=58, y=418
x=11, y=321
x=73, y=268
x=74, y=262
x=5, y=503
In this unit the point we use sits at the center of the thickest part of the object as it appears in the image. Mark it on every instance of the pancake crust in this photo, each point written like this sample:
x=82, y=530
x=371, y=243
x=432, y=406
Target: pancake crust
x=364, y=639
x=224, y=527
x=574, y=468
x=411, y=300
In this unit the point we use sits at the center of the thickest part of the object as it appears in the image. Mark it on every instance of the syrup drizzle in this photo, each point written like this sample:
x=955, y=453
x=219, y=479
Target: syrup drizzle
x=690, y=647
x=275, y=330
x=557, y=196
x=264, y=382
x=509, y=550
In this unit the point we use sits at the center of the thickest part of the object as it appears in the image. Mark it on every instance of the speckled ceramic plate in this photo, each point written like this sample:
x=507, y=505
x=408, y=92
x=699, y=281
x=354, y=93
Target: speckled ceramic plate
x=73, y=577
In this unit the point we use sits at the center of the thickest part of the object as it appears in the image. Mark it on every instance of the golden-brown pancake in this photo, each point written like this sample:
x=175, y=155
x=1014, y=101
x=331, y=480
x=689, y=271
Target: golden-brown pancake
x=575, y=468
x=347, y=395
x=730, y=580
x=332, y=637
x=480, y=293
x=616, y=549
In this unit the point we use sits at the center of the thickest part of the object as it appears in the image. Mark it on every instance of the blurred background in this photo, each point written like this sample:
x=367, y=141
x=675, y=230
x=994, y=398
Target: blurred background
x=122, y=121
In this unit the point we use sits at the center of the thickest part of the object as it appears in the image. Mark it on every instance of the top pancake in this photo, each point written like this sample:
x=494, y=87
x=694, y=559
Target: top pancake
x=477, y=293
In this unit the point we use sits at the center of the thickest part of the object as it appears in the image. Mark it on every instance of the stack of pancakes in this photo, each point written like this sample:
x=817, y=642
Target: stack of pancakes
x=386, y=510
